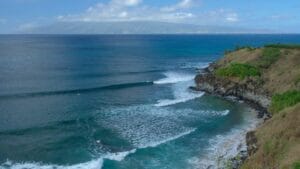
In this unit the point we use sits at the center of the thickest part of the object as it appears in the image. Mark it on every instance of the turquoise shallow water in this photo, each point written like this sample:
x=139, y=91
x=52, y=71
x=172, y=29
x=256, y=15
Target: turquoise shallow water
x=116, y=102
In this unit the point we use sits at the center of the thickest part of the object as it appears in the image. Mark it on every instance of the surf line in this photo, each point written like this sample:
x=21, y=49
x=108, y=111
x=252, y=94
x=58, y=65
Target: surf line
x=76, y=91
x=95, y=163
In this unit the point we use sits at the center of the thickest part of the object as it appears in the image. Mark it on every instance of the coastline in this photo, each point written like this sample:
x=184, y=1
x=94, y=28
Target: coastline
x=208, y=83
x=205, y=82
x=267, y=79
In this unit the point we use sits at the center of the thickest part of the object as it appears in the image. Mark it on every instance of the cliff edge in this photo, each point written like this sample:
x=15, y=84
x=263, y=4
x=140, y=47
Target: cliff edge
x=268, y=78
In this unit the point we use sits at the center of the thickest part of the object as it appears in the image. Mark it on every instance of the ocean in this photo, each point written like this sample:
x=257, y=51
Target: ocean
x=117, y=102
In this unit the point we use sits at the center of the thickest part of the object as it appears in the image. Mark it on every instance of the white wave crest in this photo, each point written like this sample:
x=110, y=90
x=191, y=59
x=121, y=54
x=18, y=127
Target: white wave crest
x=174, y=77
x=220, y=113
x=168, y=102
x=155, y=144
x=201, y=65
x=224, y=147
x=181, y=82
x=93, y=164
x=119, y=156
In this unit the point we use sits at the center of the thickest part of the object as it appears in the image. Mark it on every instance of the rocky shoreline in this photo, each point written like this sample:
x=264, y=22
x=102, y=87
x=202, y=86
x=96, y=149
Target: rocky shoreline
x=249, y=91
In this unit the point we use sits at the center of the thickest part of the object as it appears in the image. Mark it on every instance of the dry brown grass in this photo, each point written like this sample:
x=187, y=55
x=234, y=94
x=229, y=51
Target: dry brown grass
x=240, y=56
x=279, y=137
x=278, y=142
x=281, y=76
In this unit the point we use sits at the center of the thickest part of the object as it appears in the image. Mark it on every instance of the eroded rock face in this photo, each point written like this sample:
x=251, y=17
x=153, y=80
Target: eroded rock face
x=236, y=162
x=249, y=89
x=251, y=141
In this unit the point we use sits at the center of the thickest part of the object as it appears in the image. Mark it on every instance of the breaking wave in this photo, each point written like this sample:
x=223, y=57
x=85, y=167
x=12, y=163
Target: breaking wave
x=77, y=91
x=168, y=102
x=174, y=77
x=93, y=164
x=223, y=147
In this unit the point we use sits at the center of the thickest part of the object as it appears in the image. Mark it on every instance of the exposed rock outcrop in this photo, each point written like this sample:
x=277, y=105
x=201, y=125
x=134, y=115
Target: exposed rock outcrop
x=279, y=136
x=251, y=142
x=249, y=90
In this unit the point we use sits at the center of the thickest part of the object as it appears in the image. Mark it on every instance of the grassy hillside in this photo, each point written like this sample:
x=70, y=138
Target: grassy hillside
x=277, y=68
x=278, y=142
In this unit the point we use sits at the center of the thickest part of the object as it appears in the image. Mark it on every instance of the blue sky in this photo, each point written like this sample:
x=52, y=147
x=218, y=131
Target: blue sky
x=277, y=15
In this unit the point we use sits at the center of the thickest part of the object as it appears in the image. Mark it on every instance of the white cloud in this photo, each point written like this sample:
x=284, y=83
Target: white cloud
x=183, y=4
x=131, y=2
x=232, y=17
x=219, y=16
x=135, y=10
x=129, y=10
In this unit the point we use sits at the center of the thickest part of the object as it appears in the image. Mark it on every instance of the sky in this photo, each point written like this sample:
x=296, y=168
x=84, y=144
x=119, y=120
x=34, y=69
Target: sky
x=278, y=15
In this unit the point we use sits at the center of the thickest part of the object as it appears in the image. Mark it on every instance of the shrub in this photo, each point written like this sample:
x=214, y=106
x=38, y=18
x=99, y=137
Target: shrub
x=284, y=100
x=238, y=70
x=269, y=56
x=249, y=48
x=268, y=146
x=296, y=165
x=284, y=46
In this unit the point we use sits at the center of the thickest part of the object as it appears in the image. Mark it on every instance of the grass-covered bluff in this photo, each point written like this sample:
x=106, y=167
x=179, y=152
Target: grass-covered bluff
x=276, y=68
x=238, y=70
x=268, y=56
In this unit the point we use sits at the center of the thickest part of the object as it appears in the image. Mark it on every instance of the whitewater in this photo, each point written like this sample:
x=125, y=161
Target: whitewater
x=117, y=102
x=181, y=94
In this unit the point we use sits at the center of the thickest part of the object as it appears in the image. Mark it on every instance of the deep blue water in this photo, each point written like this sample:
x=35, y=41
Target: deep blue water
x=116, y=101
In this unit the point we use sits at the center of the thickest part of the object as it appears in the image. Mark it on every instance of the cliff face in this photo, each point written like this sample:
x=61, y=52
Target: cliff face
x=256, y=75
x=249, y=89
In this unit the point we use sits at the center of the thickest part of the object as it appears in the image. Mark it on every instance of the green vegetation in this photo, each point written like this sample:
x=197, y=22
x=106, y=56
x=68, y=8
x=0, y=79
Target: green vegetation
x=276, y=71
x=278, y=142
x=269, y=56
x=238, y=70
x=283, y=46
x=268, y=147
x=284, y=100
x=249, y=48
x=296, y=165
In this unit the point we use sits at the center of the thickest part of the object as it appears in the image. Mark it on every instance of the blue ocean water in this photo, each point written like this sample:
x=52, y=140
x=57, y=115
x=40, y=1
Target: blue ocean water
x=117, y=101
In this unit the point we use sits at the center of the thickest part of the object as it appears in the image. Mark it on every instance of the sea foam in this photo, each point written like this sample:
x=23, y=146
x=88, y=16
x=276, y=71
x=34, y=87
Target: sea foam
x=180, y=84
x=93, y=164
x=155, y=144
x=225, y=146
x=168, y=102
x=174, y=77
x=193, y=65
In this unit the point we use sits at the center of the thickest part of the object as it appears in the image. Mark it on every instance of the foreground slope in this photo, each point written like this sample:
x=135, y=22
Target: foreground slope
x=268, y=77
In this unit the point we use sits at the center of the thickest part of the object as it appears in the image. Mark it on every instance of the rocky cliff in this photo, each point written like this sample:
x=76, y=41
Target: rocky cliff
x=249, y=90
x=268, y=78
